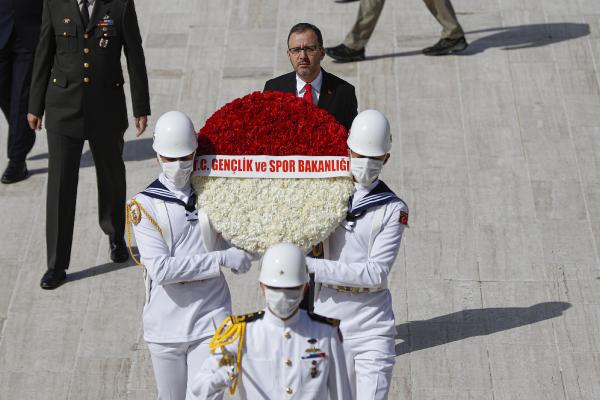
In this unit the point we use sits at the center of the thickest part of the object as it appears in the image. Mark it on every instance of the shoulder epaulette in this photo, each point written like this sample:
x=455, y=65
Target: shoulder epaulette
x=236, y=319
x=325, y=320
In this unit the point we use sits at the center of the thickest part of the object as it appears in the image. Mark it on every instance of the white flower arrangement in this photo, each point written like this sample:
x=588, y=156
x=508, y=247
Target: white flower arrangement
x=255, y=213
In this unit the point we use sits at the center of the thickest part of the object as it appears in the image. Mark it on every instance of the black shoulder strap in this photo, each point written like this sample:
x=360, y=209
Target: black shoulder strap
x=324, y=320
x=236, y=319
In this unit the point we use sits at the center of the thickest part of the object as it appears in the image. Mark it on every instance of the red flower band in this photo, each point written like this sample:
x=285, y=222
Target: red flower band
x=275, y=124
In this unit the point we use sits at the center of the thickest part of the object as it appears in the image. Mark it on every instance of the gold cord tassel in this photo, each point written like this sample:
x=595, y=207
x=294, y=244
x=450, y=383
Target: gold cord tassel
x=228, y=332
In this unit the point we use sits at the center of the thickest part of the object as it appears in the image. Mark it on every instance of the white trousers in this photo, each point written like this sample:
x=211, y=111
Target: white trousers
x=175, y=364
x=370, y=363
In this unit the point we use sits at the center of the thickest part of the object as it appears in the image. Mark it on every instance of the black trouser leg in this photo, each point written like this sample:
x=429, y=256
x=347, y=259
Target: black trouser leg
x=308, y=302
x=5, y=82
x=15, y=78
x=64, y=154
x=110, y=172
x=21, y=138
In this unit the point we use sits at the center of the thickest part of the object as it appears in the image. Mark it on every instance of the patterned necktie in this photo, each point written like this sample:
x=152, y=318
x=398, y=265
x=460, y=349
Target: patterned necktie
x=308, y=93
x=85, y=13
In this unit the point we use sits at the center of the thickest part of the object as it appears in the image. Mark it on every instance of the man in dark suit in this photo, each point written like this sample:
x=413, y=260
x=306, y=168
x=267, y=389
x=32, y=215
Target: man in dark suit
x=78, y=81
x=309, y=80
x=19, y=31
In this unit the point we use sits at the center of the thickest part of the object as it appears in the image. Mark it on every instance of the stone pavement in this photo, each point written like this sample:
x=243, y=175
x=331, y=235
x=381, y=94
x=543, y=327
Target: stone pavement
x=496, y=151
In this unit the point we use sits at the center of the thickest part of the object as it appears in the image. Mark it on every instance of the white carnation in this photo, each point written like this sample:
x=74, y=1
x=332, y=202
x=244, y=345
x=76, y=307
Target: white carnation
x=256, y=213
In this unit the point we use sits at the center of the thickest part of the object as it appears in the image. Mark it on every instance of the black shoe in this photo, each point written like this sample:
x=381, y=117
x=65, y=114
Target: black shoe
x=446, y=46
x=118, y=250
x=53, y=278
x=344, y=53
x=15, y=172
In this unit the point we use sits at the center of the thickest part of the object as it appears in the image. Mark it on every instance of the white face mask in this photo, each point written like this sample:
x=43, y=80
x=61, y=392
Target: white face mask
x=178, y=172
x=283, y=302
x=365, y=170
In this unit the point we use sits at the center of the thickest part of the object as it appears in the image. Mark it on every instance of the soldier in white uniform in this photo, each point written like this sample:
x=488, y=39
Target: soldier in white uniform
x=186, y=292
x=281, y=352
x=351, y=280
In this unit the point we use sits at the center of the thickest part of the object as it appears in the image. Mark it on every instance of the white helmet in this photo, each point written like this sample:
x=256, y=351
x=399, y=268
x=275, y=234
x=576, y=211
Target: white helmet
x=370, y=134
x=174, y=135
x=283, y=266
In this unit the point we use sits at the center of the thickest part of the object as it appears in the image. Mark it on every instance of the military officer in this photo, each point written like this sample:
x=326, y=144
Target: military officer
x=351, y=280
x=281, y=352
x=78, y=82
x=186, y=291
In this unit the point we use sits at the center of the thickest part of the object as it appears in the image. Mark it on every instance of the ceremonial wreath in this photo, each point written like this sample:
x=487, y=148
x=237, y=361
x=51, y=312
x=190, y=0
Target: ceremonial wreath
x=272, y=168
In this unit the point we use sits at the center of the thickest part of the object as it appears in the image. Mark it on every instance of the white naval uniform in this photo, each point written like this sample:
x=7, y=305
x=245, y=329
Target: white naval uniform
x=367, y=319
x=188, y=292
x=276, y=362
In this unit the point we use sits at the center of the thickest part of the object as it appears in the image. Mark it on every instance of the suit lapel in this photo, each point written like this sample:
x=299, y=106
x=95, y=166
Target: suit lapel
x=74, y=5
x=291, y=84
x=326, y=94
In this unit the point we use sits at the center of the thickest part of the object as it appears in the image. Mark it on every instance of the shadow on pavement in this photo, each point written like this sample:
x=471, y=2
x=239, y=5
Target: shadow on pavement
x=526, y=36
x=513, y=38
x=101, y=269
x=419, y=335
x=134, y=150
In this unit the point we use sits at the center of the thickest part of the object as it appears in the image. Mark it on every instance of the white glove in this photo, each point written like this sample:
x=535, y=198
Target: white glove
x=223, y=378
x=213, y=387
x=238, y=260
x=311, y=264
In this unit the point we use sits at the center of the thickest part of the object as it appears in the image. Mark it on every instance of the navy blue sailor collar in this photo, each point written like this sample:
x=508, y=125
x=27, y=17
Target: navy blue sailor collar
x=381, y=194
x=157, y=190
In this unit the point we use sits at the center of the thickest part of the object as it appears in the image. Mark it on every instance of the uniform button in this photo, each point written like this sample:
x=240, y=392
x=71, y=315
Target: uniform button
x=54, y=80
x=288, y=362
x=86, y=50
x=287, y=335
x=86, y=65
x=289, y=390
x=86, y=36
x=86, y=79
x=64, y=33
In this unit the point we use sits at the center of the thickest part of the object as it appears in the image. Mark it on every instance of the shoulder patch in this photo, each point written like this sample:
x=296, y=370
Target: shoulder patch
x=237, y=319
x=404, y=217
x=324, y=320
x=134, y=212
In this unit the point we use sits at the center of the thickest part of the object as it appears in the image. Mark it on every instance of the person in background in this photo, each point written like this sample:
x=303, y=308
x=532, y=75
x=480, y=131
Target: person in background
x=78, y=83
x=353, y=48
x=20, y=22
x=310, y=81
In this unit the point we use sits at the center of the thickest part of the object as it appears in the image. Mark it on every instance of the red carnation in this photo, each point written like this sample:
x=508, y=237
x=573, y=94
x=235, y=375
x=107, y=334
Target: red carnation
x=252, y=125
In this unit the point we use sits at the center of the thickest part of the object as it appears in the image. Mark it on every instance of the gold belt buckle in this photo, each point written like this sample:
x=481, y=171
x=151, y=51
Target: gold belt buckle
x=348, y=289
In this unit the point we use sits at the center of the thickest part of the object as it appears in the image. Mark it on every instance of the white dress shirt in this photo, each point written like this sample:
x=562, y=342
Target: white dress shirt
x=90, y=6
x=189, y=294
x=316, y=87
x=349, y=264
x=275, y=363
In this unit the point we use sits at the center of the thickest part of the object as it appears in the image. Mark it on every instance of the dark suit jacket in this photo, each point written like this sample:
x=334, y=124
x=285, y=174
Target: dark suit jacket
x=337, y=96
x=70, y=54
x=24, y=16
